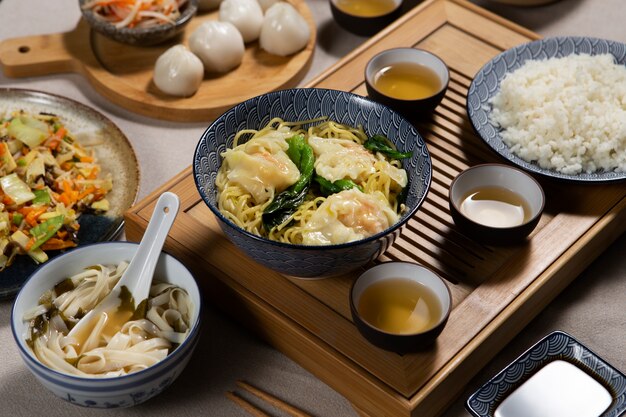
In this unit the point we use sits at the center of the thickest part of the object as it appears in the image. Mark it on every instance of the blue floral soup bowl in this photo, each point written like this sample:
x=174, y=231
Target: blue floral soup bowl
x=105, y=392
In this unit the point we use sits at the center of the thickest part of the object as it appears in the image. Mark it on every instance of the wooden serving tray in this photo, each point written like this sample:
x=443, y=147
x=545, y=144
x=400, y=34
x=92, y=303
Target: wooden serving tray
x=496, y=290
x=123, y=73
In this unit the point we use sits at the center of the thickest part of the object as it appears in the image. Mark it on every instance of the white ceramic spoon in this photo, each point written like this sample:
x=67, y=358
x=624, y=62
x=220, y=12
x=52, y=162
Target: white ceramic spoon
x=138, y=275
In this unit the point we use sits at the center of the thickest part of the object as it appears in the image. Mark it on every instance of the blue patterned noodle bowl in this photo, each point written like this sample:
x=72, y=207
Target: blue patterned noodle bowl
x=487, y=82
x=301, y=104
x=555, y=346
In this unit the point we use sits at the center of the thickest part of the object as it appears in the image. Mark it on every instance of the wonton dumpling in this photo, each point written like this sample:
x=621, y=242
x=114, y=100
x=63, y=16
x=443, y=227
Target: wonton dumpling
x=218, y=44
x=205, y=5
x=261, y=166
x=348, y=216
x=178, y=72
x=284, y=30
x=337, y=159
x=246, y=15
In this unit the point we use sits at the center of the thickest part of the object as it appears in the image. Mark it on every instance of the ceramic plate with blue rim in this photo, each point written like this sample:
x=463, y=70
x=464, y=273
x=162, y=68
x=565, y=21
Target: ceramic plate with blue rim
x=552, y=349
x=115, y=155
x=486, y=84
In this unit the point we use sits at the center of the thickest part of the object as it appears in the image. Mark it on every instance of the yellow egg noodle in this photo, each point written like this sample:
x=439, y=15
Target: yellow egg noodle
x=244, y=193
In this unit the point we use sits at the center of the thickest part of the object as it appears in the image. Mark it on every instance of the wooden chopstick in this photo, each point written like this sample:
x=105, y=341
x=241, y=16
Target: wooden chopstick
x=254, y=411
x=268, y=398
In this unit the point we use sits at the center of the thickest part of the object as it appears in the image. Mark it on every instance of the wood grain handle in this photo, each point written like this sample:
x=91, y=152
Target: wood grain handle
x=44, y=54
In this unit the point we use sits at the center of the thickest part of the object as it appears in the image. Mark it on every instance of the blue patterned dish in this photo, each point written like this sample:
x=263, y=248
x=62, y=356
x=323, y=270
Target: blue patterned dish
x=306, y=104
x=487, y=82
x=114, y=392
x=555, y=346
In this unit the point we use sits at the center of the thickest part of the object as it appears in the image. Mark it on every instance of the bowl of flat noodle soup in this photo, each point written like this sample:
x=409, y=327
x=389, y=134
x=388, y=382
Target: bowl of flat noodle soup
x=312, y=182
x=114, y=363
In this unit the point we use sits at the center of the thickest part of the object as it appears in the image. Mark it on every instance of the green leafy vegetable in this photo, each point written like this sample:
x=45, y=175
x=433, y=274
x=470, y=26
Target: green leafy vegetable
x=17, y=218
x=287, y=202
x=45, y=230
x=327, y=188
x=41, y=197
x=379, y=143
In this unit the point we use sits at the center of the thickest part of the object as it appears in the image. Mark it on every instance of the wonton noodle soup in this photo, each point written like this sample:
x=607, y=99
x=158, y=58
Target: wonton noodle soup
x=117, y=344
x=325, y=185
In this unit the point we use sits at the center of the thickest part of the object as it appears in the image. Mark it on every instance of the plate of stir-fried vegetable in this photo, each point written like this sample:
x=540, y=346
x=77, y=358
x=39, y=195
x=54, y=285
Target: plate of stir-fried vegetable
x=67, y=174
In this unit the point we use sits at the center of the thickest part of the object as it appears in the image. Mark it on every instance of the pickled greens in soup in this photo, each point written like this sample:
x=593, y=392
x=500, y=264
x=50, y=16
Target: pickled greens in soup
x=118, y=342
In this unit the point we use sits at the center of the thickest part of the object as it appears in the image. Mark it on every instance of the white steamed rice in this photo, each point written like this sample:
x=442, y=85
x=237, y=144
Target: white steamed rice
x=566, y=114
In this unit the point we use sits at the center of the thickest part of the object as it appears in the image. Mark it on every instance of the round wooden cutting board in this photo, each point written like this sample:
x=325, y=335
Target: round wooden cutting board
x=123, y=73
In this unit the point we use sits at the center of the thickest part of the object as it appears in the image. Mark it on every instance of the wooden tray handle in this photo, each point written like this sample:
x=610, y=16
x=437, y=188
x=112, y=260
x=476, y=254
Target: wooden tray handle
x=37, y=55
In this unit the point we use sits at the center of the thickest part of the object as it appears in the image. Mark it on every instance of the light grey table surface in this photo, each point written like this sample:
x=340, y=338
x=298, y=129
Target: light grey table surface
x=593, y=308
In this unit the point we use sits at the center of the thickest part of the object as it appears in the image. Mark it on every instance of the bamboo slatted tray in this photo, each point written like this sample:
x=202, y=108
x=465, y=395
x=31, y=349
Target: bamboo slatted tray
x=496, y=290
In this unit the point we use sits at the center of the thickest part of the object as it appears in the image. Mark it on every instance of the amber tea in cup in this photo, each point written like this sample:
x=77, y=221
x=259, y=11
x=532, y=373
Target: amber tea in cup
x=495, y=207
x=407, y=81
x=400, y=306
x=367, y=8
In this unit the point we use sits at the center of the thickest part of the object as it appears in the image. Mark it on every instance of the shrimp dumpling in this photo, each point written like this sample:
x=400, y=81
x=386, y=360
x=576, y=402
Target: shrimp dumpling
x=178, y=72
x=218, y=44
x=284, y=30
x=246, y=15
x=348, y=216
x=261, y=166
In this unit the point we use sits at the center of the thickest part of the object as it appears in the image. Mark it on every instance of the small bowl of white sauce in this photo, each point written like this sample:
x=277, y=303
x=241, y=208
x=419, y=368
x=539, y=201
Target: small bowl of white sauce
x=557, y=377
x=495, y=203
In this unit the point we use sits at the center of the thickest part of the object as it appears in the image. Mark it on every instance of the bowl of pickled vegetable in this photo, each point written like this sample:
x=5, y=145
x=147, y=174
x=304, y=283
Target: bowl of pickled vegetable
x=141, y=23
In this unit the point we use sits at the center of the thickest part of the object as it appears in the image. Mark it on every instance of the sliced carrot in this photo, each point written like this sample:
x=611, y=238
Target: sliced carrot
x=57, y=244
x=67, y=186
x=63, y=198
x=94, y=173
x=24, y=210
x=30, y=244
x=53, y=144
x=60, y=134
x=33, y=215
x=85, y=193
x=88, y=159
